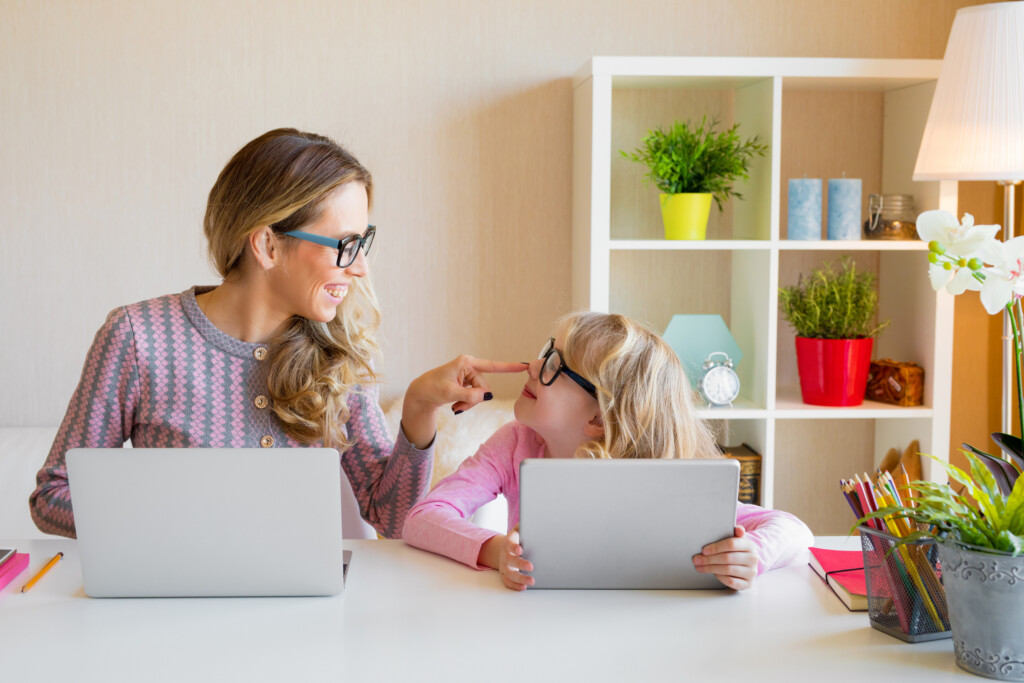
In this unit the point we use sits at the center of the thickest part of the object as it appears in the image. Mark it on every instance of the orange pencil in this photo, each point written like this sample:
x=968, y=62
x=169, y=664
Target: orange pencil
x=39, y=574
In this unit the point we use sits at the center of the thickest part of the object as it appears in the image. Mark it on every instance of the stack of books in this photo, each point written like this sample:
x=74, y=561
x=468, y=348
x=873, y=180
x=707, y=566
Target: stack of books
x=12, y=563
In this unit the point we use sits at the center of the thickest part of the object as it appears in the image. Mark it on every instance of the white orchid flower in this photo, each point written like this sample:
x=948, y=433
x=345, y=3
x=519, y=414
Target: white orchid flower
x=957, y=239
x=962, y=279
x=1004, y=277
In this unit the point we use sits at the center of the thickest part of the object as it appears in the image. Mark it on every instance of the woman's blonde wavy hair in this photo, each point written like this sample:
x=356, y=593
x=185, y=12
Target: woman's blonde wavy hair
x=281, y=180
x=645, y=398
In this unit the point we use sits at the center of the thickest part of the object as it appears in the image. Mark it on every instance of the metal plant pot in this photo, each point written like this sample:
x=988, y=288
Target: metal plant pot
x=985, y=594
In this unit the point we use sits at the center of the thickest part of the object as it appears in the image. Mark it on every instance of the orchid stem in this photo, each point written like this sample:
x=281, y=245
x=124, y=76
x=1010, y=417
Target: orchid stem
x=1015, y=303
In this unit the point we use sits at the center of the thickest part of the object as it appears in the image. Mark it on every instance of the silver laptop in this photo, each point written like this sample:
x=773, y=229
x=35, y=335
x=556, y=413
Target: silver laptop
x=176, y=522
x=624, y=523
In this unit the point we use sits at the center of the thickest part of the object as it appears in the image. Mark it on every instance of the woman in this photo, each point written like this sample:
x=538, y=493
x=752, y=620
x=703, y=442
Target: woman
x=279, y=354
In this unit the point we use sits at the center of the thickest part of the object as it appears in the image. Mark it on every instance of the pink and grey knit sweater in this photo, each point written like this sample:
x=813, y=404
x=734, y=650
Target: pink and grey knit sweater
x=161, y=374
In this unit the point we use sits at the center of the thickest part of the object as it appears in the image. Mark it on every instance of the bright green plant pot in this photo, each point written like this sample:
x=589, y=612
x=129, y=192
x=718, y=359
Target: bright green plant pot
x=685, y=215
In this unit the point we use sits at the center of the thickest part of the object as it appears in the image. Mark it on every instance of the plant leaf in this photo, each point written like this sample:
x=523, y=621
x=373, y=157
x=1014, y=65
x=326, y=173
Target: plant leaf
x=1003, y=472
x=991, y=500
x=1009, y=543
x=1013, y=447
x=1013, y=513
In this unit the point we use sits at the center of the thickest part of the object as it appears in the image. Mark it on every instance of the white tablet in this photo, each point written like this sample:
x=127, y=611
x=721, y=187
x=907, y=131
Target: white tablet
x=625, y=524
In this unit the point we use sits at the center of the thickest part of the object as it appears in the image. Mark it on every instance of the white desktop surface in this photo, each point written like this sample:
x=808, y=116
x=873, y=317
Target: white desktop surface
x=408, y=615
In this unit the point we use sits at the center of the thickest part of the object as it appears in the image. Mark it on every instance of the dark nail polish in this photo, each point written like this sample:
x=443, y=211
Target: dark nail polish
x=458, y=412
x=488, y=396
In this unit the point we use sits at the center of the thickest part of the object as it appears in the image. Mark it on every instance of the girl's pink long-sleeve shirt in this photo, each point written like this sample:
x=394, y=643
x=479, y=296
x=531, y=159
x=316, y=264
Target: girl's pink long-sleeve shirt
x=439, y=523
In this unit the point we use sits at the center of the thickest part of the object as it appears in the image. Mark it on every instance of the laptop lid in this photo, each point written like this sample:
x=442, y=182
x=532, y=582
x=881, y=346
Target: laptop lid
x=624, y=523
x=178, y=522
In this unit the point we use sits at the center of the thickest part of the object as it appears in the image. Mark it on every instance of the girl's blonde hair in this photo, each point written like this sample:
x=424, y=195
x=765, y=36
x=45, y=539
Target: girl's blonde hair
x=281, y=180
x=645, y=398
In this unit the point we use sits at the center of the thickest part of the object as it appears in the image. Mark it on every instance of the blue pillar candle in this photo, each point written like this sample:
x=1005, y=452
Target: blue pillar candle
x=844, y=208
x=804, y=217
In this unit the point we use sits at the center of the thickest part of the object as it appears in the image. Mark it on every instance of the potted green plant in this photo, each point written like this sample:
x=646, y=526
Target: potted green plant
x=833, y=311
x=981, y=528
x=981, y=540
x=691, y=165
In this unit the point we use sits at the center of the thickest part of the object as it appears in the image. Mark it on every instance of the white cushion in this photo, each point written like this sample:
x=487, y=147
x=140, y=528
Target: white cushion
x=459, y=437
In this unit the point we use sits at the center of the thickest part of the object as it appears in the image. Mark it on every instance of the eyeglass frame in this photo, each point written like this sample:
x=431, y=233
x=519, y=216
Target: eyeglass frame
x=365, y=242
x=583, y=382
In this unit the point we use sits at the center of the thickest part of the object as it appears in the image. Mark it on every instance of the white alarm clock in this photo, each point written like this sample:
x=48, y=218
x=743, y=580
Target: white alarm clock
x=718, y=384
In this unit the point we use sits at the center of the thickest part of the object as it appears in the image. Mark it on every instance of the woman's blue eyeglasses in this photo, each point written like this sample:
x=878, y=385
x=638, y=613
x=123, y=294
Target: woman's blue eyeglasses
x=348, y=248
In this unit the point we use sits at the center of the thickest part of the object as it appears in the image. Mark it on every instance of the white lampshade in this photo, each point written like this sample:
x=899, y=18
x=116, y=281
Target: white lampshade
x=975, y=128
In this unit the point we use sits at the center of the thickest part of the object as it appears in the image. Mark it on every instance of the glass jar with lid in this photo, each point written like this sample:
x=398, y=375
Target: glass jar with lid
x=891, y=217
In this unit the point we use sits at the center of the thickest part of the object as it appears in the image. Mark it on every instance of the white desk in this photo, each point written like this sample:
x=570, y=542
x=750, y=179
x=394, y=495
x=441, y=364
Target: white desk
x=407, y=615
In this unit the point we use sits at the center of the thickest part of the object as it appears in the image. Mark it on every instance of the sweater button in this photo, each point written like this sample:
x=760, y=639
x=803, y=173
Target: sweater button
x=267, y=441
x=261, y=402
x=260, y=353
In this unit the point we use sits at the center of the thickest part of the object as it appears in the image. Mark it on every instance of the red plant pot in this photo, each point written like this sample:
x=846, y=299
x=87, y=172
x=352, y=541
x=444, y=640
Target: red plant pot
x=833, y=372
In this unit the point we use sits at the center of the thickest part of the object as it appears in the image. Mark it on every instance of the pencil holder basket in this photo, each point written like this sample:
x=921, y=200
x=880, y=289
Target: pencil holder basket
x=904, y=587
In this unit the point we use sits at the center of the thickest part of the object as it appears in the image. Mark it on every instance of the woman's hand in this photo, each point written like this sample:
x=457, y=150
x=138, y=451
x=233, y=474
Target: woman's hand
x=733, y=561
x=504, y=553
x=460, y=382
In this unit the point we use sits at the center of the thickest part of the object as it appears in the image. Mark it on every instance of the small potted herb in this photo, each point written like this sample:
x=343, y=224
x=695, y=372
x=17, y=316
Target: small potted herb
x=833, y=312
x=691, y=165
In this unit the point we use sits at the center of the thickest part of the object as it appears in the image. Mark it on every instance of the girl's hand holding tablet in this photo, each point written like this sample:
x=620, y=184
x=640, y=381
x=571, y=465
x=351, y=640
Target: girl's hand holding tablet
x=732, y=560
x=503, y=552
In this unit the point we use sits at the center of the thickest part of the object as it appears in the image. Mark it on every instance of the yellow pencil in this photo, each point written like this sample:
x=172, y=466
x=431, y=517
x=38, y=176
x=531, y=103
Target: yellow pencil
x=905, y=484
x=39, y=574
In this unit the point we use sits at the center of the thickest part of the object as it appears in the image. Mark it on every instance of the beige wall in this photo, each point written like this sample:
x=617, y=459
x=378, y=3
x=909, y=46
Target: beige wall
x=115, y=118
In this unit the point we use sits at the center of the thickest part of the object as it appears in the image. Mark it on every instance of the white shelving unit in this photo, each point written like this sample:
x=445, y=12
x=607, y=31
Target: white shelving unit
x=822, y=118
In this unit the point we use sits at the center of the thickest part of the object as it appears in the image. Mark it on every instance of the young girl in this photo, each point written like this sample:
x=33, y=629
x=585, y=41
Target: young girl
x=604, y=387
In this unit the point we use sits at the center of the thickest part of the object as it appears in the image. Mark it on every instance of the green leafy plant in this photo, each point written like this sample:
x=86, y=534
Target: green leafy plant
x=687, y=158
x=991, y=517
x=832, y=303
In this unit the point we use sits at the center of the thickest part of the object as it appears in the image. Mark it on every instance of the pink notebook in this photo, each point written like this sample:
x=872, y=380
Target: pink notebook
x=12, y=567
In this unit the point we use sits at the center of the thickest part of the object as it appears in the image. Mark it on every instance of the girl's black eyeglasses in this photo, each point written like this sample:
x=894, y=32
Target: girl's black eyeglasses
x=554, y=365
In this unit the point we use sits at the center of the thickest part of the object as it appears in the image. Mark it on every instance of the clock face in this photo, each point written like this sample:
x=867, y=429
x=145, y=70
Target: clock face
x=720, y=386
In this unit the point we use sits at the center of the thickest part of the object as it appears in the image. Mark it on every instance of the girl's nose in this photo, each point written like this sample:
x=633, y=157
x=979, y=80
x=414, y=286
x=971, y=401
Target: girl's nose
x=533, y=369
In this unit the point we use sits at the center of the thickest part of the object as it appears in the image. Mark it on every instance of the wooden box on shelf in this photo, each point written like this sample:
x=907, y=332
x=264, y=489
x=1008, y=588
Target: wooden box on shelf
x=900, y=384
